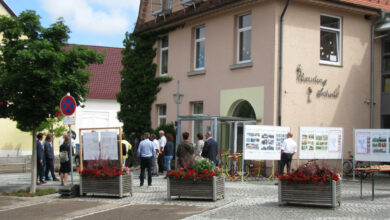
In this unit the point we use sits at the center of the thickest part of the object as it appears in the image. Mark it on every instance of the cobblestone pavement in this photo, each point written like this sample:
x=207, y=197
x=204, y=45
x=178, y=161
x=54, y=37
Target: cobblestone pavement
x=249, y=200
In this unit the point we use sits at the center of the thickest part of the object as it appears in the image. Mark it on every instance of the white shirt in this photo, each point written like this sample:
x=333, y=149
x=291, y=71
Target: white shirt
x=289, y=146
x=162, y=141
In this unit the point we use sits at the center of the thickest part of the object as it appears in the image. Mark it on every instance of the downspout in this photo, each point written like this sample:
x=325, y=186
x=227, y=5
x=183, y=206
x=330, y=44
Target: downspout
x=281, y=62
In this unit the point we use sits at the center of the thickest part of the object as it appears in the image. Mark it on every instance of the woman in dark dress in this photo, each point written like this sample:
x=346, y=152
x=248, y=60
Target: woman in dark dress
x=65, y=166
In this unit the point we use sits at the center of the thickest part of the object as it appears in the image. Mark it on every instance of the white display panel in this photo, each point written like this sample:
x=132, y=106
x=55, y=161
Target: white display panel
x=91, y=146
x=372, y=145
x=320, y=143
x=263, y=142
x=109, y=149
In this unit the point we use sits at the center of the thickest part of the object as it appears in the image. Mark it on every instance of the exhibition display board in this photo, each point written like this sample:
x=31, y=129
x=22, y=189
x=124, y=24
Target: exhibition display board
x=320, y=143
x=263, y=142
x=101, y=144
x=372, y=145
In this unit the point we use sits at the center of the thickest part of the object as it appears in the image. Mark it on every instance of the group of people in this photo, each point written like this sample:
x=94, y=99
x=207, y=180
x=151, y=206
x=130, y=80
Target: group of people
x=45, y=159
x=150, y=150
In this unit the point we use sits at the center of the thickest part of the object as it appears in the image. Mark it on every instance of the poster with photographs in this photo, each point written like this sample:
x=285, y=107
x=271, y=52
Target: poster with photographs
x=320, y=143
x=372, y=145
x=263, y=142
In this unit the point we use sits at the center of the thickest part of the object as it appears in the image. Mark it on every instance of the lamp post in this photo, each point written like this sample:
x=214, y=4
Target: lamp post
x=177, y=98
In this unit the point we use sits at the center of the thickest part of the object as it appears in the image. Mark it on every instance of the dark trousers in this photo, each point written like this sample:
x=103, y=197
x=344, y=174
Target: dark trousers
x=50, y=167
x=285, y=160
x=161, y=163
x=146, y=163
x=40, y=172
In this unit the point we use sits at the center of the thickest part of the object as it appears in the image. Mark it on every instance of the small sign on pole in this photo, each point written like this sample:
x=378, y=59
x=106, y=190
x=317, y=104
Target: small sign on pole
x=69, y=121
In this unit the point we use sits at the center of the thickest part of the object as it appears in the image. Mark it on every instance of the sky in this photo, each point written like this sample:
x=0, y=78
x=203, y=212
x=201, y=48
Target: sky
x=92, y=22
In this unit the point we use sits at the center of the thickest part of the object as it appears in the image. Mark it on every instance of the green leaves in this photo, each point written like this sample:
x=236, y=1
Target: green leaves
x=139, y=85
x=36, y=71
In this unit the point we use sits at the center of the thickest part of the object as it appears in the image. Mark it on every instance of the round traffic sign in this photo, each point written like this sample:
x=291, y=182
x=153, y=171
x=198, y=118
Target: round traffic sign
x=68, y=105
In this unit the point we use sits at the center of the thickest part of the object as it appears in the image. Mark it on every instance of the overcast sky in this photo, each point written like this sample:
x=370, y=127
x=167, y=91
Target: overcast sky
x=92, y=22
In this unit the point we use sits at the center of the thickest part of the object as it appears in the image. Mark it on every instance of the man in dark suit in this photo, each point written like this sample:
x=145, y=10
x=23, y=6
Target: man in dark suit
x=40, y=155
x=49, y=155
x=210, y=148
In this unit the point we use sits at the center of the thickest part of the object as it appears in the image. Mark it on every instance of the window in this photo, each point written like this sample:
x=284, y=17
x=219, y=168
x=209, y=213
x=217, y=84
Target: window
x=244, y=38
x=200, y=36
x=330, y=52
x=197, y=126
x=164, y=56
x=162, y=114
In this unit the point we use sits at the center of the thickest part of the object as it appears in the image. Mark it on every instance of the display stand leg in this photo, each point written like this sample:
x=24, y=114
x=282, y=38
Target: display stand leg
x=361, y=186
x=373, y=186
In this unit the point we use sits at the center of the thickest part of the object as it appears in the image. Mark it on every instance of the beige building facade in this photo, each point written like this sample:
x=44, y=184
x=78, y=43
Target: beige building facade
x=319, y=73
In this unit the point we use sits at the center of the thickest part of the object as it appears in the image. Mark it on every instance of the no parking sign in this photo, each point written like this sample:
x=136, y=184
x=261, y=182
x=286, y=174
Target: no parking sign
x=68, y=105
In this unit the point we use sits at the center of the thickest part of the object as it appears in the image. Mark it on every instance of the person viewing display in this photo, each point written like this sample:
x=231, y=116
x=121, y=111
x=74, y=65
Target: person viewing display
x=146, y=151
x=289, y=148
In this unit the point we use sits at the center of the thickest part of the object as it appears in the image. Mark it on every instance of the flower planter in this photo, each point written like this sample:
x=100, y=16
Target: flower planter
x=321, y=194
x=209, y=188
x=113, y=186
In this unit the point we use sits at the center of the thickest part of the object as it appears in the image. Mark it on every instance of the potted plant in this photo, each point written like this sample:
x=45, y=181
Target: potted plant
x=98, y=179
x=200, y=181
x=310, y=185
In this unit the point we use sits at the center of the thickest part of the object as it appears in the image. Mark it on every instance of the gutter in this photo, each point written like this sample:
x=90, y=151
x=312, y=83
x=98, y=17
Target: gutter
x=281, y=62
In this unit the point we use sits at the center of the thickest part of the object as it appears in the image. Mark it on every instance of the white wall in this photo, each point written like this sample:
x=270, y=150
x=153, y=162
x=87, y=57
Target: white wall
x=97, y=113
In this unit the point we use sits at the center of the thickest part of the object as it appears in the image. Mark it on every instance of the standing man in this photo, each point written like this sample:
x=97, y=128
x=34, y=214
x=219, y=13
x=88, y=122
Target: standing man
x=49, y=155
x=146, y=152
x=289, y=148
x=154, y=159
x=162, y=142
x=210, y=148
x=41, y=155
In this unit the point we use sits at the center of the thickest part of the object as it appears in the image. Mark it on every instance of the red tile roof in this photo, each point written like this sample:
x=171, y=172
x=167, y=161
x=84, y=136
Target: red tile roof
x=105, y=82
x=382, y=4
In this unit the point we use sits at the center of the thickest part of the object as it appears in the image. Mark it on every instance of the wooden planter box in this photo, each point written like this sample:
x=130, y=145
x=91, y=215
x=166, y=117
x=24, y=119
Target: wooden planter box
x=210, y=188
x=114, y=186
x=322, y=194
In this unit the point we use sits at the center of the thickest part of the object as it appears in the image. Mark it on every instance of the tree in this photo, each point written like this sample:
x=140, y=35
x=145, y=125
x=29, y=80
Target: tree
x=139, y=85
x=35, y=72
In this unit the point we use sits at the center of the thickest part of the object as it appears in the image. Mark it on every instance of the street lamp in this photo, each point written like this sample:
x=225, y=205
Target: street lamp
x=177, y=98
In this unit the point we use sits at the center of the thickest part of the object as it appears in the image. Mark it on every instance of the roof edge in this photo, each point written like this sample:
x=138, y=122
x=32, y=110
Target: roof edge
x=7, y=8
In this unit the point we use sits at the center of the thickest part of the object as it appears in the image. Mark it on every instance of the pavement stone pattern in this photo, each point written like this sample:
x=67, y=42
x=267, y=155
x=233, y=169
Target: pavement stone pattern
x=248, y=200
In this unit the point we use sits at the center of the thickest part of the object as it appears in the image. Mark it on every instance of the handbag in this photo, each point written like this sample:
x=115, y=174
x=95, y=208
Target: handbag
x=64, y=157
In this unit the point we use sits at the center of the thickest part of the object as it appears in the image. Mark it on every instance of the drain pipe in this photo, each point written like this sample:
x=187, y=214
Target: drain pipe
x=281, y=62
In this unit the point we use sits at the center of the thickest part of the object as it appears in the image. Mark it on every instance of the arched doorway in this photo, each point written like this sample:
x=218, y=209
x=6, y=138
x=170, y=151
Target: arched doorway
x=244, y=109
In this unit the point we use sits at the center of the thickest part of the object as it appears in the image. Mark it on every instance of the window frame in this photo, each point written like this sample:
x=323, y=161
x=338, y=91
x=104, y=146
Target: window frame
x=162, y=49
x=239, y=30
x=339, y=35
x=195, y=48
x=193, y=114
x=161, y=116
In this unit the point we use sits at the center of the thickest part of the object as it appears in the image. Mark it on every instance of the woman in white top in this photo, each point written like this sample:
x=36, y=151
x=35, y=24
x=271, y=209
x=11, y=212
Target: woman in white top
x=199, y=144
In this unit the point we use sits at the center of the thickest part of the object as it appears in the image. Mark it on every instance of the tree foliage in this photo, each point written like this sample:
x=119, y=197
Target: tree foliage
x=139, y=85
x=35, y=70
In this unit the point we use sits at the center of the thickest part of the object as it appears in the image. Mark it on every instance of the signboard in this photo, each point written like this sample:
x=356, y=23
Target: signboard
x=69, y=121
x=68, y=105
x=372, y=145
x=320, y=143
x=263, y=142
x=100, y=146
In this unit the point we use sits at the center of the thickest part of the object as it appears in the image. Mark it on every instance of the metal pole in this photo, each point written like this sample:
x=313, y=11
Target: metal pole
x=178, y=127
x=71, y=153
